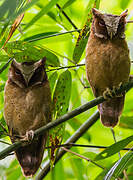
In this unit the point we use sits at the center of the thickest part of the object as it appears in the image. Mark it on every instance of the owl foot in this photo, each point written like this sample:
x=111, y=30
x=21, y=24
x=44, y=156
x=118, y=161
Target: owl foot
x=108, y=94
x=111, y=93
x=28, y=136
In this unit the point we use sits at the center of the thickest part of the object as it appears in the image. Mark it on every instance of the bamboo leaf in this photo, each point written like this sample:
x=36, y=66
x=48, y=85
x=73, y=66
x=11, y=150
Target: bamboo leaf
x=41, y=13
x=119, y=166
x=14, y=27
x=68, y=3
x=62, y=94
x=52, y=80
x=23, y=51
x=84, y=34
x=114, y=148
x=61, y=99
x=126, y=122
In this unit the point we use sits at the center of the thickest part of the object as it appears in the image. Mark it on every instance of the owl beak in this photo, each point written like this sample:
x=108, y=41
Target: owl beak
x=111, y=35
x=27, y=78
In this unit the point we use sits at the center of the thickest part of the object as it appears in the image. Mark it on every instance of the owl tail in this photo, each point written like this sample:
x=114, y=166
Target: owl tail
x=30, y=156
x=111, y=110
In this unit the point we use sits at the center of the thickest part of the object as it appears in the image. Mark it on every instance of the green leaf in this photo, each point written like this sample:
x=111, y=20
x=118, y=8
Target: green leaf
x=61, y=99
x=52, y=80
x=25, y=7
x=23, y=51
x=3, y=124
x=84, y=34
x=62, y=94
x=39, y=36
x=41, y=13
x=119, y=166
x=103, y=173
x=2, y=87
x=126, y=122
x=7, y=8
x=68, y=3
x=124, y=4
x=114, y=148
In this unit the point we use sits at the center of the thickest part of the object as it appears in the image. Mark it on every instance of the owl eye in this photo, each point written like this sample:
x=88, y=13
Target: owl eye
x=17, y=72
x=101, y=23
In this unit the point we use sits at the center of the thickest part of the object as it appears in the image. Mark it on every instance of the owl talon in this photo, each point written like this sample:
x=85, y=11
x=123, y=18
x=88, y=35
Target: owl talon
x=111, y=93
x=28, y=136
x=108, y=94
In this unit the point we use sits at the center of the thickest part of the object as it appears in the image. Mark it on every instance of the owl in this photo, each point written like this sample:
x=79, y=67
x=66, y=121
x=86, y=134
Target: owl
x=27, y=107
x=108, y=62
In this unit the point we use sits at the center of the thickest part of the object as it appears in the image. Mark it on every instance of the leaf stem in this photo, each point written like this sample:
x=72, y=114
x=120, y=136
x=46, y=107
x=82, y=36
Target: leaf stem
x=64, y=67
x=6, y=65
x=75, y=27
x=83, y=157
x=84, y=145
x=52, y=35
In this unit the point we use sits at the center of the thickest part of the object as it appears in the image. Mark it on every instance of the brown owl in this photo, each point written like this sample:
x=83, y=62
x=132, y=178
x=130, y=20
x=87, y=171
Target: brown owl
x=108, y=62
x=27, y=107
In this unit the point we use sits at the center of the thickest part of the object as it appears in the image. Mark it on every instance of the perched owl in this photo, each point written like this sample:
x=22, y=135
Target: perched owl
x=27, y=107
x=108, y=62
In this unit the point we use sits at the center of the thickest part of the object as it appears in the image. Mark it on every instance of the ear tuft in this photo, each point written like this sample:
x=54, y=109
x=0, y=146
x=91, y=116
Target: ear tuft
x=43, y=60
x=95, y=12
x=15, y=63
x=124, y=13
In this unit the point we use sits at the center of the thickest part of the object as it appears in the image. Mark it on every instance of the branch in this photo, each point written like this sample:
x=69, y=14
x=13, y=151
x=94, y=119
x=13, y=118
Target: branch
x=52, y=35
x=69, y=145
x=6, y=65
x=4, y=142
x=78, y=133
x=66, y=117
x=129, y=21
x=75, y=27
x=64, y=67
x=83, y=157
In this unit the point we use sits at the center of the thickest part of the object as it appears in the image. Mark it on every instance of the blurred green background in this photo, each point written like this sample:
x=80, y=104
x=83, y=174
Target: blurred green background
x=40, y=22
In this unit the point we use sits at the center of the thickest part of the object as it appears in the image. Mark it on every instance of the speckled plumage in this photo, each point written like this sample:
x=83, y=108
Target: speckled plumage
x=107, y=65
x=27, y=108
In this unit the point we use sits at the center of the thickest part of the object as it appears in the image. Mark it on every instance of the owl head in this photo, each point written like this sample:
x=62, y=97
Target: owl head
x=27, y=74
x=108, y=26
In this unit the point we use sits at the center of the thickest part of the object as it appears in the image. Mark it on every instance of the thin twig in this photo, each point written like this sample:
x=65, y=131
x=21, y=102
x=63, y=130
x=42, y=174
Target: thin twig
x=113, y=133
x=75, y=27
x=64, y=67
x=84, y=145
x=83, y=157
x=125, y=175
x=129, y=21
x=82, y=83
x=78, y=133
x=4, y=142
x=6, y=65
x=52, y=35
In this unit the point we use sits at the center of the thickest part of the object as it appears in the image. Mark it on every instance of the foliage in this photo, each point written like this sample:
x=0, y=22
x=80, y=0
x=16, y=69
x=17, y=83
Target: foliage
x=43, y=23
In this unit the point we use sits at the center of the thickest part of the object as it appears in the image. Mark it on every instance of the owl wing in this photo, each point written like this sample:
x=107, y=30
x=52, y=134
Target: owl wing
x=25, y=111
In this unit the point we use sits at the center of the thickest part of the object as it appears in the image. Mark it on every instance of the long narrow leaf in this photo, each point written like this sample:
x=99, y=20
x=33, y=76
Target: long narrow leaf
x=119, y=166
x=61, y=99
x=23, y=51
x=41, y=13
x=84, y=34
x=113, y=149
